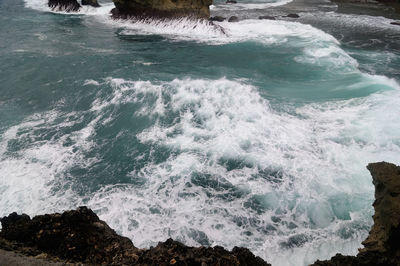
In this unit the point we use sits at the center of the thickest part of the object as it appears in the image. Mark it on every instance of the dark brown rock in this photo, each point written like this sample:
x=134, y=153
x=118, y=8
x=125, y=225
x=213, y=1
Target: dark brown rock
x=64, y=5
x=173, y=252
x=382, y=246
x=77, y=236
x=93, y=3
x=80, y=236
x=141, y=9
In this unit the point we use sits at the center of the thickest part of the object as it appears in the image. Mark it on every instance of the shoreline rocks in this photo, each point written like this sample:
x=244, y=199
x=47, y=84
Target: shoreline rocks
x=79, y=236
x=141, y=9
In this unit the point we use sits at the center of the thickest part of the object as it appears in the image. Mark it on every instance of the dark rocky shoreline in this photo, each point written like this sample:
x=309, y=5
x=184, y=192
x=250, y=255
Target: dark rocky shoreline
x=80, y=237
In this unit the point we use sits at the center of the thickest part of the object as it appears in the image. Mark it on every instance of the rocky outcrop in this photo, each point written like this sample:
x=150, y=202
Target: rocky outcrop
x=141, y=9
x=64, y=5
x=79, y=236
x=93, y=3
x=382, y=246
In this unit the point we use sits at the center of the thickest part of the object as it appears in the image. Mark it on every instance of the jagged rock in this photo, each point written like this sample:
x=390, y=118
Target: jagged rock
x=64, y=5
x=77, y=236
x=93, y=3
x=80, y=236
x=382, y=246
x=267, y=17
x=217, y=18
x=173, y=252
x=141, y=9
x=292, y=15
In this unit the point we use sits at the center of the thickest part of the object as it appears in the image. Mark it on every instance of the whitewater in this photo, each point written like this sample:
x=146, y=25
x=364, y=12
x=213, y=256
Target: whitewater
x=253, y=134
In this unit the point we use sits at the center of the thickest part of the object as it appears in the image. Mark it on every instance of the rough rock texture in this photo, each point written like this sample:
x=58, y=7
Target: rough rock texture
x=77, y=236
x=64, y=5
x=93, y=3
x=382, y=246
x=80, y=236
x=172, y=252
x=126, y=9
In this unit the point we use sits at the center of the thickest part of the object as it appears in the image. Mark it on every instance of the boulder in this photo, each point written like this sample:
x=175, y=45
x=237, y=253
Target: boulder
x=142, y=9
x=267, y=17
x=233, y=19
x=93, y=3
x=64, y=5
x=292, y=15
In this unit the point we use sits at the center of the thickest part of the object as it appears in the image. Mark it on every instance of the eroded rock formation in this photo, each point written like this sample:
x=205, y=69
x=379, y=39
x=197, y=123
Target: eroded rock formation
x=126, y=9
x=382, y=246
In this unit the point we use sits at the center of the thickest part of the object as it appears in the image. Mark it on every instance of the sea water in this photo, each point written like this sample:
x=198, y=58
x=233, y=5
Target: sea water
x=252, y=134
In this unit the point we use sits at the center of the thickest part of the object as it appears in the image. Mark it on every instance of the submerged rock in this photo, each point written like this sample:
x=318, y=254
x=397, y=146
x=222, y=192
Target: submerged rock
x=292, y=15
x=80, y=236
x=382, y=246
x=231, y=2
x=64, y=5
x=395, y=23
x=126, y=9
x=267, y=17
x=233, y=19
x=217, y=18
x=93, y=3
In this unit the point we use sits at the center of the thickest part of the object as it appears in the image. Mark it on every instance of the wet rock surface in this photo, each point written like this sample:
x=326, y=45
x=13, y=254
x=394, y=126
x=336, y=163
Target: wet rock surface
x=64, y=5
x=382, y=246
x=93, y=3
x=141, y=9
x=79, y=236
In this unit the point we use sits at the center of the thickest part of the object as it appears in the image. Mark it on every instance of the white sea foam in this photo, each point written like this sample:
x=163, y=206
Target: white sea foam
x=242, y=5
x=42, y=5
x=299, y=178
x=31, y=177
x=357, y=21
x=306, y=169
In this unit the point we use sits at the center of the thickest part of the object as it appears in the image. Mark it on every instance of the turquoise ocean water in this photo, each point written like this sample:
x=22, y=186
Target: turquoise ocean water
x=254, y=133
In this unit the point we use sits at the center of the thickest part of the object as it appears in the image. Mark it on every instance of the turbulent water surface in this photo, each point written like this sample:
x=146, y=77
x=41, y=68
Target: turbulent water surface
x=254, y=133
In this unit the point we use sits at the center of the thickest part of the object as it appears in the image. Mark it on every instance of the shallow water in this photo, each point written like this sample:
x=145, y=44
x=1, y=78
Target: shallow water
x=254, y=133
